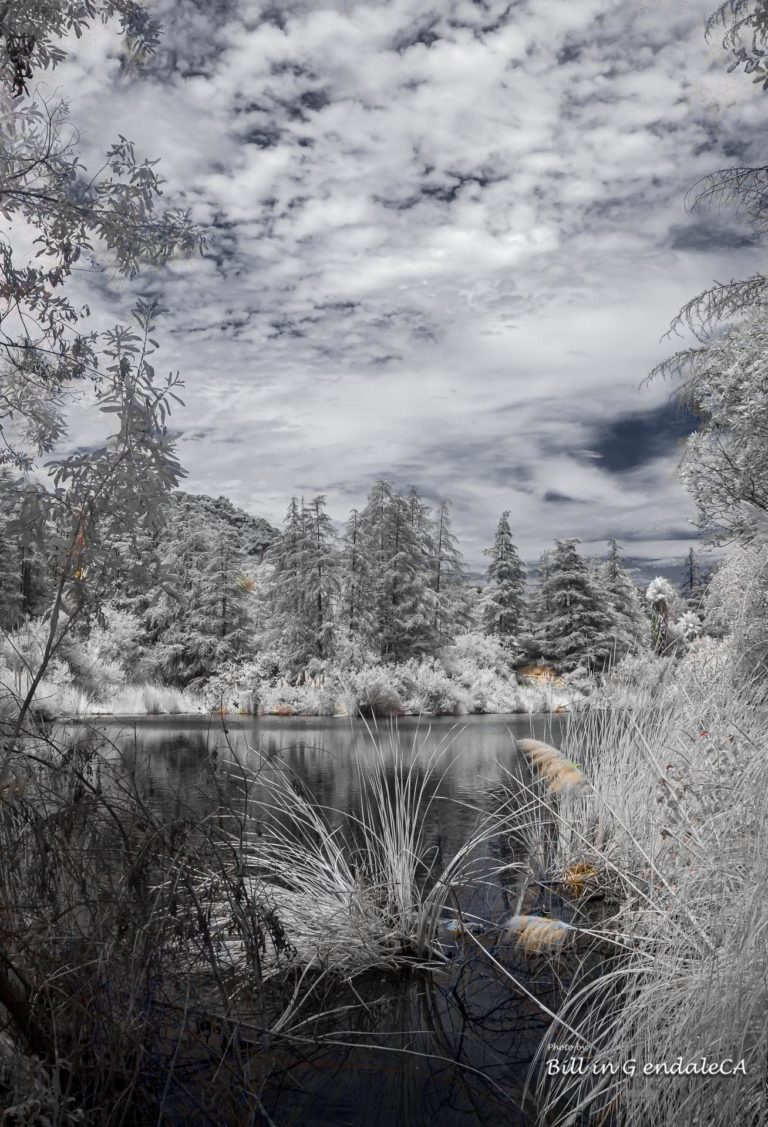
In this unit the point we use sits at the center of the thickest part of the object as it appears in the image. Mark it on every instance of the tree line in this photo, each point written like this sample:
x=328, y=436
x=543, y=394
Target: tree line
x=212, y=584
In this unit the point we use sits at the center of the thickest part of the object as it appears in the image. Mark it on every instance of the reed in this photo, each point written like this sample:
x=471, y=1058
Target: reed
x=670, y=828
x=363, y=889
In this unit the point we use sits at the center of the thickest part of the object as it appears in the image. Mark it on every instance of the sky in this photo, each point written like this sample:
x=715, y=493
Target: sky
x=444, y=245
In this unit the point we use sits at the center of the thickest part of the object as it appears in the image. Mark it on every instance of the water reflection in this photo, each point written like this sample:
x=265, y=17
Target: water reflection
x=449, y=1048
x=180, y=766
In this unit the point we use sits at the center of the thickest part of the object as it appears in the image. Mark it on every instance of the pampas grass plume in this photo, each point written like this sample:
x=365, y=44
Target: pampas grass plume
x=537, y=933
x=560, y=773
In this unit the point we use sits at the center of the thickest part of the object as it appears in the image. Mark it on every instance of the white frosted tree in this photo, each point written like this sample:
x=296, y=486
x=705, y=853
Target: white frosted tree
x=287, y=629
x=200, y=617
x=303, y=586
x=357, y=597
x=320, y=570
x=576, y=626
x=503, y=597
x=448, y=578
x=629, y=625
x=398, y=566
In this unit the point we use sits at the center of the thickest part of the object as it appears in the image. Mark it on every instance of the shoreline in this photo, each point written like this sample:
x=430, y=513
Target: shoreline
x=207, y=720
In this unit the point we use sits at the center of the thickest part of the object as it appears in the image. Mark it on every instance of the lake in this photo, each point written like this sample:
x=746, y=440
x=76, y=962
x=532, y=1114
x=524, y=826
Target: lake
x=449, y=1047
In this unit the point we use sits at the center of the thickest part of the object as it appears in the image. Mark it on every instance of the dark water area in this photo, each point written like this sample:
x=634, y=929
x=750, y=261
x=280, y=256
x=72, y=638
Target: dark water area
x=448, y=1047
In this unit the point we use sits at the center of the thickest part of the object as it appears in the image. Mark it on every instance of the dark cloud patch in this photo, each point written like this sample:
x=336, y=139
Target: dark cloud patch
x=339, y=308
x=425, y=36
x=263, y=137
x=276, y=16
x=736, y=149
x=394, y=204
x=636, y=439
x=553, y=497
x=448, y=189
x=315, y=100
x=569, y=53
x=624, y=535
x=706, y=235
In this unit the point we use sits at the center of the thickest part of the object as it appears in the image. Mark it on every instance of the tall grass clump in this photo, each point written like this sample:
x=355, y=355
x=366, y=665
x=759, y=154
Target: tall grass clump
x=663, y=853
x=363, y=888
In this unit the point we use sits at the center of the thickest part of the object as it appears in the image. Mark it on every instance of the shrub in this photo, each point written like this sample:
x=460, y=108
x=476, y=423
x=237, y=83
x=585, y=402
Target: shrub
x=309, y=699
x=427, y=690
x=375, y=691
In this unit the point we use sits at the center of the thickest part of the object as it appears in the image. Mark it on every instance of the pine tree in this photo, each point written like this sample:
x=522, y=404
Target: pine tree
x=200, y=617
x=533, y=642
x=503, y=599
x=356, y=617
x=629, y=626
x=576, y=628
x=448, y=578
x=374, y=549
x=693, y=587
x=398, y=566
x=320, y=570
x=288, y=627
x=407, y=618
x=303, y=586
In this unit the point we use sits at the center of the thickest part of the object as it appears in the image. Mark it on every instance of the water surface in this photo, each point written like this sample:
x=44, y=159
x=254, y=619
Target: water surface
x=447, y=1048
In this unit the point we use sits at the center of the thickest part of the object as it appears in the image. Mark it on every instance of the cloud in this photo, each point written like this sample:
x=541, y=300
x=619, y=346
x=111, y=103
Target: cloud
x=444, y=243
x=631, y=440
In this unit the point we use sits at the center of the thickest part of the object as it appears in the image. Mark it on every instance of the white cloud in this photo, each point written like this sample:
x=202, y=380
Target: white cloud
x=440, y=243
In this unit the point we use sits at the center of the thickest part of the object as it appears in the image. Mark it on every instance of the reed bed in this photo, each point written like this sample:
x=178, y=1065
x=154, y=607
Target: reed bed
x=663, y=851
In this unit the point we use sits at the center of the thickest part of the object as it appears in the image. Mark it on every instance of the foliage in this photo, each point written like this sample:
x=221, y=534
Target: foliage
x=736, y=607
x=106, y=931
x=745, y=36
x=577, y=625
x=448, y=581
x=303, y=585
x=628, y=623
x=199, y=617
x=724, y=464
x=503, y=597
x=70, y=512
